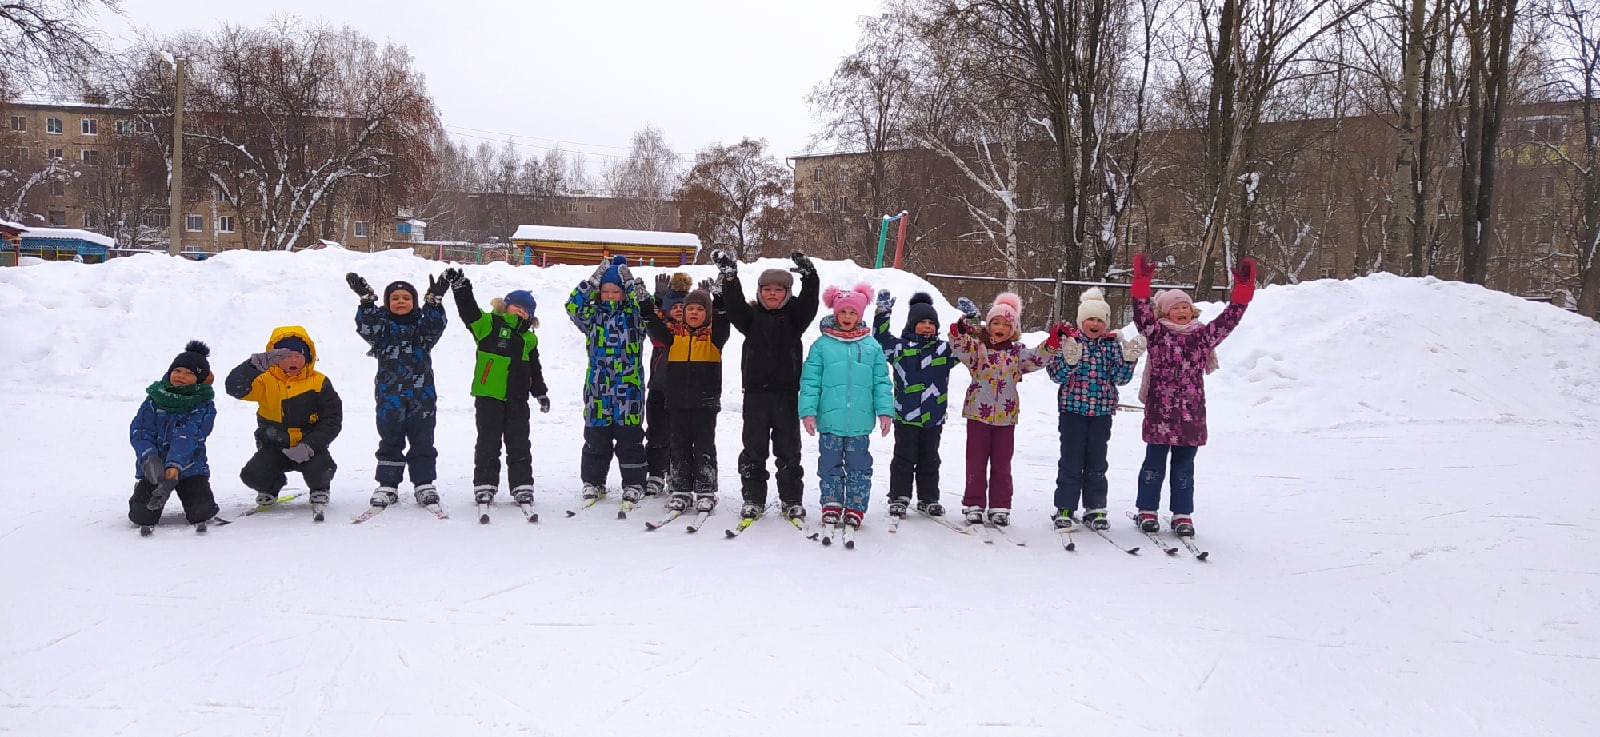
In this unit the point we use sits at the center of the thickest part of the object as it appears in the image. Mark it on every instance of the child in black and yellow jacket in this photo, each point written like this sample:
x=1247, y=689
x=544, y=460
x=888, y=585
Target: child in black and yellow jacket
x=692, y=380
x=298, y=415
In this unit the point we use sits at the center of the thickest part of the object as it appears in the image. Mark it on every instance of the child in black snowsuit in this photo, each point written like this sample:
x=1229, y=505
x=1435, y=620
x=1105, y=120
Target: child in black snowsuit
x=402, y=338
x=169, y=442
x=669, y=296
x=692, y=381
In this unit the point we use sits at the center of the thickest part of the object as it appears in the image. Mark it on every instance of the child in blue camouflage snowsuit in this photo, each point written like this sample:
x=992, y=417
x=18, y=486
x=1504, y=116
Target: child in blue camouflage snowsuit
x=921, y=362
x=402, y=338
x=608, y=309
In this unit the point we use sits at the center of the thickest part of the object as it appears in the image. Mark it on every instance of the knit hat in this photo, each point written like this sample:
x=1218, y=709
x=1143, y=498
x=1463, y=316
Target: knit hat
x=612, y=276
x=524, y=299
x=399, y=285
x=856, y=299
x=193, y=358
x=1008, y=307
x=921, y=309
x=294, y=343
x=677, y=289
x=1167, y=299
x=698, y=297
x=1092, y=303
x=776, y=276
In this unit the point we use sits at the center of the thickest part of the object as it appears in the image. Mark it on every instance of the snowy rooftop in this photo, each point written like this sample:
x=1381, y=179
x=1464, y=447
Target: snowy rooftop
x=606, y=235
x=69, y=234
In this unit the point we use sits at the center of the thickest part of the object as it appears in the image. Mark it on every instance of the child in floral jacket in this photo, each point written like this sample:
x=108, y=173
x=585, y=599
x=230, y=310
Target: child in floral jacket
x=1182, y=352
x=1090, y=367
x=997, y=360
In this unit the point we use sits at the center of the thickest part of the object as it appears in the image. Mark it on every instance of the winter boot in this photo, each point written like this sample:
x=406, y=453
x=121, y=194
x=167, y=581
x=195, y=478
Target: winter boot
x=426, y=494
x=319, y=496
x=705, y=502
x=932, y=509
x=632, y=493
x=655, y=486
x=679, y=502
x=852, y=519
x=898, y=506
x=1063, y=519
x=593, y=491
x=523, y=494
x=483, y=494
x=1182, y=526
x=795, y=511
x=1148, y=521
x=973, y=515
x=1000, y=517
x=1096, y=519
x=751, y=510
x=263, y=499
x=384, y=496
x=830, y=515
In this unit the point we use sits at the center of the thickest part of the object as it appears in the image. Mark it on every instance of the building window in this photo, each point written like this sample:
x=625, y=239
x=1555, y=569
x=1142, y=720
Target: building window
x=816, y=174
x=91, y=220
x=843, y=203
x=816, y=204
x=21, y=153
x=145, y=126
x=58, y=218
x=91, y=127
x=224, y=223
x=53, y=153
x=157, y=220
x=589, y=208
x=124, y=127
x=124, y=159
x=403, y=228
x=58, y=188
x=220, y=195
x=193, y=223
x=361, y=229
x=90, y=156
x=1547, y=187
x=572, y=207
x=19, y=123
x=52, y=125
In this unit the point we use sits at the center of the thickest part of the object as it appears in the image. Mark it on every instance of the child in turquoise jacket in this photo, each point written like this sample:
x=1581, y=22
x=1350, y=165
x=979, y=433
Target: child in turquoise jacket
x=844, y=390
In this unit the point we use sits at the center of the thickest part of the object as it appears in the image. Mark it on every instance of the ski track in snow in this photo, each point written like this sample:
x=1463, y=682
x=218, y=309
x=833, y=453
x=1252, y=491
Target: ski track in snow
x=1398, y=498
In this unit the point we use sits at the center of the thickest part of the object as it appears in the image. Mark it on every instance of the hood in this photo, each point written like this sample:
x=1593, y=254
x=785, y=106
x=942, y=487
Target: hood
x=294, y=331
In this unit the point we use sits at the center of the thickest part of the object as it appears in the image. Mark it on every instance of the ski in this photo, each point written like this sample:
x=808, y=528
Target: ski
x=146, y=530
x=317, y=512
x=652, y=526
x=738, y=529
x=800, y=524
x=369, y=514
x=200, y=528
x=849, y=537
x=527, y=511
x=627, y=506
x=483, y=513
x=1066, y=539
x=1152, y=536
x=437, y=511
x=947, y=524
x=1200, y=555
x=894, y=523
x=1005, y=534
x=586, y=505
x=264, y=507
x=699, y=520
x=828, y=531
x=984, y=533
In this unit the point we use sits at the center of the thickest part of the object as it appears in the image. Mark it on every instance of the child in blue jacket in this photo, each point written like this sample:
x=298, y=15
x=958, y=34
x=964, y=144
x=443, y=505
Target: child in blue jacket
x=845, y=390
x=169, y=441
x=921, y=363
x=608, y=308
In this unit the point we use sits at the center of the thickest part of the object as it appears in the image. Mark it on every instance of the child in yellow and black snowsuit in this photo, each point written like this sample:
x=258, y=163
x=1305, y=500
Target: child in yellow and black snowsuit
x=692, y=380
x=298, y=415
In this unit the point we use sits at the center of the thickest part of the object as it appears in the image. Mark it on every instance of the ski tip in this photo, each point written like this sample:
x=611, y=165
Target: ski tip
x=146, y=530
x=849, y=545
x=1171, y=551
x=622, y=515
x=1133, y=551
x=650, y=527
x=317, y=518
x=1203, y=556
x=1071, y=547
x=691, y=530
x=571, y=513
x=730, y=533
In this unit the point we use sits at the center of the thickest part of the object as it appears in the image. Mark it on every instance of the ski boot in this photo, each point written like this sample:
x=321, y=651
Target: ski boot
x=1063, y=520
x=679, y=502
x=932, y=509
x=655, y=486
x=483, y=494
x=1096, y=519
x=705, y=502
x=750, y=510
x=1182, y=525
x=1000, y=517
x=852, y=519
x=632, y=493
x=1148, y=521
x=263, y=499
x=973, y=515
x=830, y=515
x=898, y=506
x=794, y=511
x=523, y=494
x=426, y=494
x=384, y=496
x=592, y=492
x=319, y=496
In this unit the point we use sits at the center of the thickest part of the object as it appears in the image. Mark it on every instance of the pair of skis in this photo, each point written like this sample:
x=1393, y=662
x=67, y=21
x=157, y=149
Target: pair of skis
x=527, y=512
x=1200, y=555
x=744, y=524
x=375, y=510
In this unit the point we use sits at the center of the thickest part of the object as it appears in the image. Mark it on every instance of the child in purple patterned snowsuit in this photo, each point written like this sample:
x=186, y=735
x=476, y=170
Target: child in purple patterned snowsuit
x=1181, y=352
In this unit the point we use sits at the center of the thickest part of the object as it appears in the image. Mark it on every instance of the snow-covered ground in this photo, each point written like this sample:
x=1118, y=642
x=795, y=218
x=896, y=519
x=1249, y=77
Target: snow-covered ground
x=1399, y=501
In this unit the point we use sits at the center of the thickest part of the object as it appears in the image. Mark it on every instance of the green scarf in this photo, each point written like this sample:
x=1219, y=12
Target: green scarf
x=179, y=398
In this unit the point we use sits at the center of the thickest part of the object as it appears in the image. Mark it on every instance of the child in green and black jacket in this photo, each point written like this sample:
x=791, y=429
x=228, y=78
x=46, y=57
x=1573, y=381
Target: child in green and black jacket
x=506, y=374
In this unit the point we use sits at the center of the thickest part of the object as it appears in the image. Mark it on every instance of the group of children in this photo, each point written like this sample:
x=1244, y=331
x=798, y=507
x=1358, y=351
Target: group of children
x=853, y=380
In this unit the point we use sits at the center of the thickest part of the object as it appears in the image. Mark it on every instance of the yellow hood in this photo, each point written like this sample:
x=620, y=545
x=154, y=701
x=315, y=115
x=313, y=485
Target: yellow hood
x=293, y=331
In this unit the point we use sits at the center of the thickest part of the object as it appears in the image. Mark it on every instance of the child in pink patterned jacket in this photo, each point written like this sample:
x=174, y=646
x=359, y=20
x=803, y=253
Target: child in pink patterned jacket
x=997, y=361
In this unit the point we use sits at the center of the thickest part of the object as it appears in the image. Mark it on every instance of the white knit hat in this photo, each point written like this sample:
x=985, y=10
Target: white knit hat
x=1093, y=304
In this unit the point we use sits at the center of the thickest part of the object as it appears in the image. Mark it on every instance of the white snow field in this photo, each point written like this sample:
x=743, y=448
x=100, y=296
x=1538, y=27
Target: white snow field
x=1400, y=502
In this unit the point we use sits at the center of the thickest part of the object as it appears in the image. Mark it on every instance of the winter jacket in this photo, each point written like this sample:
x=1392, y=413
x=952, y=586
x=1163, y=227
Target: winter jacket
x=772, y=351
x=996, y=371
x=845, y=382
x=290, y=411
x=403, y=345
x=177, y=438
x=613, y=388
x=921, y=373
x=508, y=351
x=1175, y=385
x=1089, y=388
x=691, y=373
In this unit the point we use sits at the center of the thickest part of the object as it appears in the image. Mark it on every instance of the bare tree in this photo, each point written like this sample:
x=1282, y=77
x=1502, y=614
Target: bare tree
x=646, y=178
x=47, y=42
x=1578, y=24
x=1488, y=26
x=737, y=198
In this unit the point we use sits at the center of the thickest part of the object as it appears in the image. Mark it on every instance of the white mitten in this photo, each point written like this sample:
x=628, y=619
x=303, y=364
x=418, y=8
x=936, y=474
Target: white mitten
x=1133, y=349
x=1071, y=351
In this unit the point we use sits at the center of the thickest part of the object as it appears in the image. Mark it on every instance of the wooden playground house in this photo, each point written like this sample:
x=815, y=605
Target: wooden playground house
x=543, y=245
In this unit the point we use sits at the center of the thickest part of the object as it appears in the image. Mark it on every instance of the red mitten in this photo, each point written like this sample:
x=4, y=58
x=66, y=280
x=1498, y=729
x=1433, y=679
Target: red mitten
x=1056, y=331
x=1244, y=281
x=1143, y=273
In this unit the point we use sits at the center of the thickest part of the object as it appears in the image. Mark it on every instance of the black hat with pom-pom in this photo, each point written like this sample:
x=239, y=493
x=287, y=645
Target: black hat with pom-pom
x=921, y=309
x=194, y=358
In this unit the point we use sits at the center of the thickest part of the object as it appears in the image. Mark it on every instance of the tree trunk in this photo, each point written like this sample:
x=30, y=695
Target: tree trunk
x=1407, y=165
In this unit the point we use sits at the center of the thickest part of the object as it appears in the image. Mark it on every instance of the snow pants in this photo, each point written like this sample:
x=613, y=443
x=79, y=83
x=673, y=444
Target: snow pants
x=694, y=451
x=394, y=459
x=1154, y=471
x=199, y=504
x=844, y=470
x=601, y=442
x=1083, y=464
x=658, y=434
x=989, y=451
x=267, y=471
x=771, y=420
x=499, y=420
x=916, y=458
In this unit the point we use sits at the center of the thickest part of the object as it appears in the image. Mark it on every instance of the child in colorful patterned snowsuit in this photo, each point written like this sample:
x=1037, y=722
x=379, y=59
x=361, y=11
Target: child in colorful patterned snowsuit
x=691, y=379
x=668, y=300
x=608, y=308
x=845, y=390
x=997, y=360
x=921, y=363
x=402, y=338
x=1090, y=367
x=1182, y=352
x=169, y=441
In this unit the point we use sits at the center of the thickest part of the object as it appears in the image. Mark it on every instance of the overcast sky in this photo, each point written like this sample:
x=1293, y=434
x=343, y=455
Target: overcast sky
x=583, y=74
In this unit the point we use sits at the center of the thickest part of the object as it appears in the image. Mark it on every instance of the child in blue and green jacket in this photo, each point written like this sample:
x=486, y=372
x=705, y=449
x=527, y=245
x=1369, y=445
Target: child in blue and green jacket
x=921, y=363
x=844, y=385
x=1091, y=365
x=608, y=308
